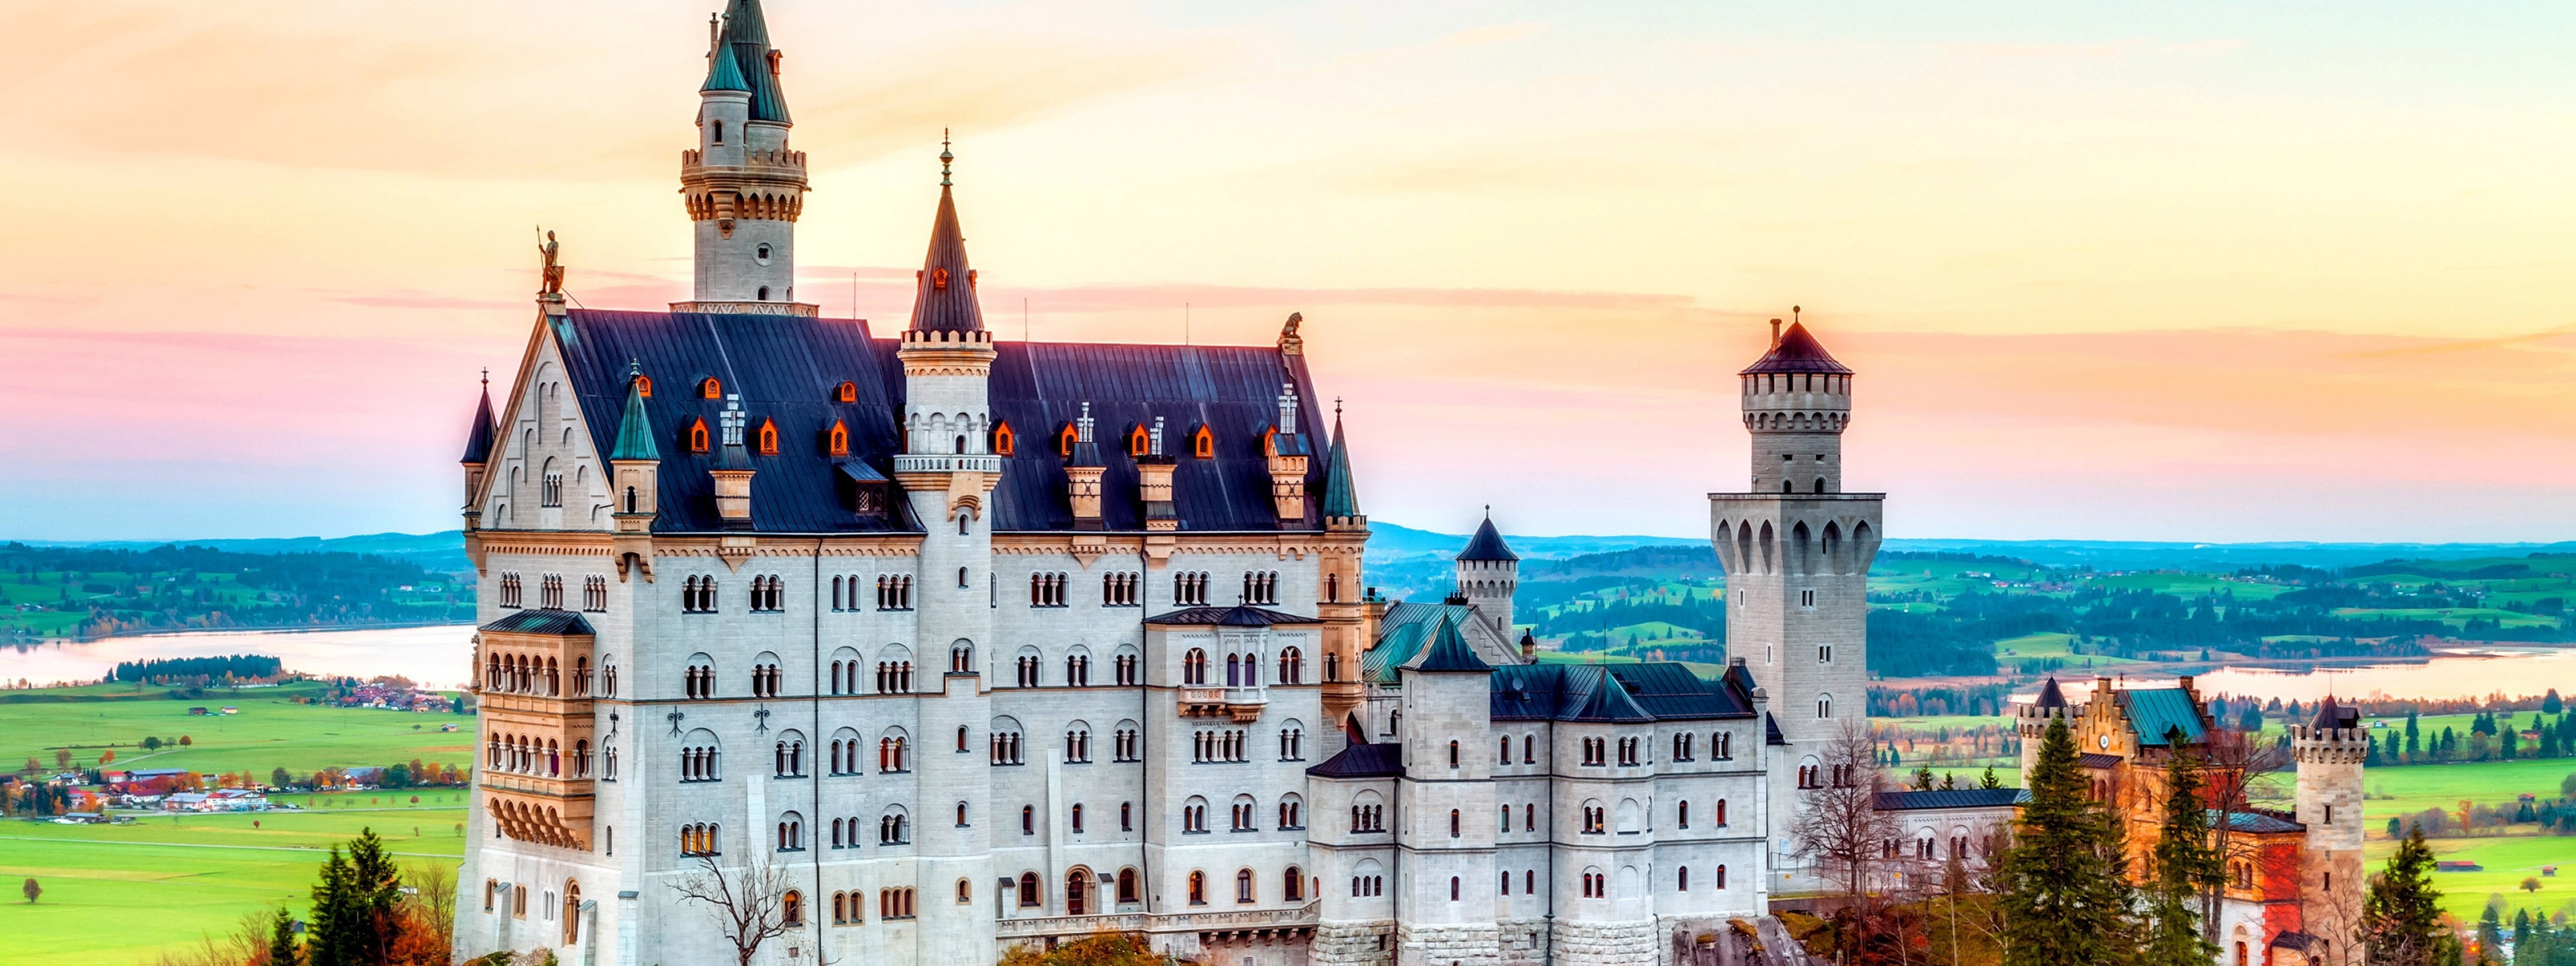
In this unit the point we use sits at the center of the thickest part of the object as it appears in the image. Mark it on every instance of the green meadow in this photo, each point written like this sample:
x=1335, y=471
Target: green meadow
x=270, y=732
x=119, y=893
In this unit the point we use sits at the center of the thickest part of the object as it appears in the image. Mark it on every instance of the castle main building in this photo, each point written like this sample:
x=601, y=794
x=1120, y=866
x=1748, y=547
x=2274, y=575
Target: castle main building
x=974, y=642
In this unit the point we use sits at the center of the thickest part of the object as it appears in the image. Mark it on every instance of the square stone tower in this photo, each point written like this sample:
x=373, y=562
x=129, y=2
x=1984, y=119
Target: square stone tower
x=2330, y=751
x=1797, y=550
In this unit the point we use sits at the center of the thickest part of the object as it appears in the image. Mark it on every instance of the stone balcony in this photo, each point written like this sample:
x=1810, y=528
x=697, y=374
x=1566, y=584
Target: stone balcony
x=1206, y=924
x=948, y=463
x=1240, y=704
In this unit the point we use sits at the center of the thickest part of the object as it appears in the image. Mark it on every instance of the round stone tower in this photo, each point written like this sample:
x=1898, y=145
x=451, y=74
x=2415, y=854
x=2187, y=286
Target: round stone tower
x=1488, y=574
x=743, y=186
x=1796, y=402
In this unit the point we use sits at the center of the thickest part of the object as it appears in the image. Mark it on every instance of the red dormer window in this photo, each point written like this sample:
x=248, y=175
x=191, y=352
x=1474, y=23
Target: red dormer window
x=1064, y=439
x=697, y=436
x=939, y=279
x=644, y=385
x=1270, y=442
x=711, y=389
x=847, y=392
x=1138, y=443
x=1005, y=442
x=1203, y=444
x=768, y=438
x=837, y=439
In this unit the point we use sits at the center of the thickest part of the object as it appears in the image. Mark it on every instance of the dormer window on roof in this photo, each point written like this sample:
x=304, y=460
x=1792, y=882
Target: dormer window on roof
x=1138, y=443
x=695, y=437
x=847, y=392
x=939, y=279
x=767, y=439
x=711, y=388
x=837, y=439
x=1064, y=440
x=1203, y=443
x=644, y=385
x=1005, y=442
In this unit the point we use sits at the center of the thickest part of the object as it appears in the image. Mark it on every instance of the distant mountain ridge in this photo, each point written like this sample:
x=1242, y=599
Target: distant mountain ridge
x=438, y=552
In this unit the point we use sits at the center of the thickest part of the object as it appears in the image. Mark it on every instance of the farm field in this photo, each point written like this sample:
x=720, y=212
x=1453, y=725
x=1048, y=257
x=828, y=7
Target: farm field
x=118, y=893
x=2414, y=788
x=270, y=732
x=2508, y=860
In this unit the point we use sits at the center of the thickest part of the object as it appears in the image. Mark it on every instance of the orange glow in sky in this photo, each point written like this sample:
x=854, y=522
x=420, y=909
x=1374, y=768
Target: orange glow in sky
x=2153, y=272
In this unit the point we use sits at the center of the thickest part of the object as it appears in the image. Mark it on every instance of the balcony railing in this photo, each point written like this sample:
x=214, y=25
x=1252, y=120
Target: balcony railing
x=1212, y=921
x=951, y=463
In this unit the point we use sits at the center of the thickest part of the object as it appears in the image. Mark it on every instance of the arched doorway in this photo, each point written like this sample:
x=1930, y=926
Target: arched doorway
x=571, y=912
x=1077, y=892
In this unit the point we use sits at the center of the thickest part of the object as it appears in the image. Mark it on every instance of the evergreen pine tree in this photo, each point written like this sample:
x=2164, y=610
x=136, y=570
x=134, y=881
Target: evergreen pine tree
x=335, y=938
x=282, y=950
x=2184, y=864
x=1923, y=778
x=2490, y=937
x=2402, y=918
x=2064, y=882
x=1990, y=781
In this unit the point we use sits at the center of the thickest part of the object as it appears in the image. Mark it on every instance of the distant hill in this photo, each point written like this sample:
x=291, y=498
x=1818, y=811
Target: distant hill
x=435, y=552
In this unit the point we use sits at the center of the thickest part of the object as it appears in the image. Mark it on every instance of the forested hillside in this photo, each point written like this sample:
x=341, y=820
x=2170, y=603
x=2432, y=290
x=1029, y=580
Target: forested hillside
x=85, y=592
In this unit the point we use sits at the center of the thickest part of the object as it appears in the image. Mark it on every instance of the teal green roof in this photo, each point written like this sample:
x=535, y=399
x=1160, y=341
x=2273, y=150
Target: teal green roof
x=1405, y=630
x=635, y=431
x=724, y=74
x=2155, y=712
x=1341, y=494
x=1449, y=653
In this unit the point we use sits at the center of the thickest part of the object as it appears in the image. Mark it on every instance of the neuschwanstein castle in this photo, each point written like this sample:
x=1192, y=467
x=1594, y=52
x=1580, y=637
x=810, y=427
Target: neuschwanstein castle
x=977, y=642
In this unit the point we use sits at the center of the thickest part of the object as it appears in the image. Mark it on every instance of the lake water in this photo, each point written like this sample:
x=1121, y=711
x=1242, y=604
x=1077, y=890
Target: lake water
x=437, y=656
x=434, y=656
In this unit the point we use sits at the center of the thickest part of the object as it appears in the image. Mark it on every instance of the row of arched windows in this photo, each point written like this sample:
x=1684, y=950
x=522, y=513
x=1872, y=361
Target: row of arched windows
x=521, y=755
x=894, y=592
x=1046, y=590
x=768, y=593
x=698, y=595
x=1804, y=551
x=529, y=674
x=1261, y=587
x=1119, y=590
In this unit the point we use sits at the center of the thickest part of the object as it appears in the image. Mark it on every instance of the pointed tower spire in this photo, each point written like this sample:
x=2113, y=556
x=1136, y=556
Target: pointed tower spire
x=755, y=63
x=1341, y=493
x=635, y=431
x=478, y=437
x=944, y=297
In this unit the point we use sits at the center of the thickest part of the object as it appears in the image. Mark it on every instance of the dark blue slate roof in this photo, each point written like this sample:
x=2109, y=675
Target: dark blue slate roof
x=2050, y=696
x=1487, y=545
x=944, y=290
x=1655, y=691
x=1363, y=760
x=2095, y=759
x=560, y=623
x=1906, y=801
x=786, y=368
x=2331, y=714
x=1237, y=616
x=1771, y=731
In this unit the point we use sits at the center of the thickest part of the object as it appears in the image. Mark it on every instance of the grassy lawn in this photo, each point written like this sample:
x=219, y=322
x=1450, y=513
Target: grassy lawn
x=270, y=732
x=2508, y=860
x=192, y=875
x=2414, y=788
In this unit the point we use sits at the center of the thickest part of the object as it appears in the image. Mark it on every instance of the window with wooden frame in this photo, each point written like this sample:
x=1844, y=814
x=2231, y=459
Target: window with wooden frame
x=1005, y=442
x=767, y=439
x=711, y=388
x=1138, y=443
x=1203, y=443
x=847, y=392
x=696, y=436
x=836, y=440
x=644, y=385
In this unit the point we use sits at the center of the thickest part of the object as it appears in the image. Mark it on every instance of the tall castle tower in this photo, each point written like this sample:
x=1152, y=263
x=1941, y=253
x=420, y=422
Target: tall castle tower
x=948, y=470
x=1797, y=551
x=1488, y=574
x=743, y=186
x=1447, y=794
x=2330, y=750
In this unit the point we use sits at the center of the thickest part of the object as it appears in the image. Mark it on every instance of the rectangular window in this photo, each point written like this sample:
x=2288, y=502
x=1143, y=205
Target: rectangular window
x=1824, y=654
x=1806, y=598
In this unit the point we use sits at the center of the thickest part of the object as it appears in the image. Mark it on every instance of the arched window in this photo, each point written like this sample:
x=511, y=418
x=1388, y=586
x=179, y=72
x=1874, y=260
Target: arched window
x=1453, y=753
x=1127, y=886
x=1005, y=442
x=643, y=385
x=697, y=436
x=1292, y=885
x=1030, y=898
x=1454, y=823
x=1194, y=667
x=1198, y=888
x=1138, y=444
x=767, y=438
x=836, y=440
x=710, y=389
x=1077, y=892
x=1292, y=666
x=1453, y=888
x=846, y=392
x=1203, y=443
x=791, y=832
x=1244, y=890
x=1824, y=706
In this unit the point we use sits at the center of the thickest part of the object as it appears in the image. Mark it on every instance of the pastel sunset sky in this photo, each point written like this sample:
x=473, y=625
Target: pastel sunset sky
x=2164, y=271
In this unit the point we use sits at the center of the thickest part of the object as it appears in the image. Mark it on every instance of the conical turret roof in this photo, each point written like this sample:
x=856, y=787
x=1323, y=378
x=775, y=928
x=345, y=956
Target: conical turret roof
x=478, y=437
x=2049, y=696
x=1449, y=653
x=1341, y=493
x=635, y=430
x=944, y=299
x=1798, y=351
x=743, y=62
x=1487, y=545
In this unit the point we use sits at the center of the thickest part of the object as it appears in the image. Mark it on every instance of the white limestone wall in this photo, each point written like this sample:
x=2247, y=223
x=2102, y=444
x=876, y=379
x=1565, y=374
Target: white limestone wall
x=545, y=434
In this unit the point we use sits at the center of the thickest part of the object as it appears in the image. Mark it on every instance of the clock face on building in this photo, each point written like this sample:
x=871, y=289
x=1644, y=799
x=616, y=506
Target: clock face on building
x=2106, y=742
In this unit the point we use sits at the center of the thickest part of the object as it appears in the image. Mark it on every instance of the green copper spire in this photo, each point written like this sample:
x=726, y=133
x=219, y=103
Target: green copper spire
x=1341, y=496
x=635, y=432
x=724, y=74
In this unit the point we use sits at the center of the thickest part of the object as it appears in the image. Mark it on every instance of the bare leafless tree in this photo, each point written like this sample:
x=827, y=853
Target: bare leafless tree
x=749, y=906
x=431, y=890
x=1839, y=826
x=2236, y=765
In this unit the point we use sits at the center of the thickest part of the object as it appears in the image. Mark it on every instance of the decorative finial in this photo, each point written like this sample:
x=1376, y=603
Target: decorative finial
x=1489, y=511
x=944, y=157
x=1337, y=408
x=1793, y=314
x=634, y=367
x=487, y=377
